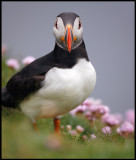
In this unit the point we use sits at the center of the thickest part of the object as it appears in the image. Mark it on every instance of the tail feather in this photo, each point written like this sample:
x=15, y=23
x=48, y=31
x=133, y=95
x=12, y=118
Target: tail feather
x=7, y=99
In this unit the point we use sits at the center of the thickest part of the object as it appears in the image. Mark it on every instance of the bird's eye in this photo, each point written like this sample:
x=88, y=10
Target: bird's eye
x=79, y=26
x=56, y=25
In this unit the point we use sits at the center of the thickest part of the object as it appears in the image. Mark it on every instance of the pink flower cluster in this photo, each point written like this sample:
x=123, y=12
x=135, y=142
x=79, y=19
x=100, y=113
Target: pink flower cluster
x=125, y=129
x=93, y=136
x=27, y=60
x=112, y=119
x=91, y=109
x=14, y=64
x=106, y=130
x=130, y=116
x=77, y=131
x=94, y=109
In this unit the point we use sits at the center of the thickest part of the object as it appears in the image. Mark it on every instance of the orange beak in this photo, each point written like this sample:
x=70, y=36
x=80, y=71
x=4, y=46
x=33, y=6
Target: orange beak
x=69, y=37
x=69, y=40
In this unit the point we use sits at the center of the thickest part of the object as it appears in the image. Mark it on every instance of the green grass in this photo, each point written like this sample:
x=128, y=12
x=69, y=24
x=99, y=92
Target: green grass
x=19, y=140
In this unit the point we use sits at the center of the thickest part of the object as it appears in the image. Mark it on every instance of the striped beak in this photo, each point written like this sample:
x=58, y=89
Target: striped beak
x=69, y=37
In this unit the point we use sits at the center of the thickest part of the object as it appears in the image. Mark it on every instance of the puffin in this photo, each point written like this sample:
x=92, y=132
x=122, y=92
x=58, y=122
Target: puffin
x=57, y=82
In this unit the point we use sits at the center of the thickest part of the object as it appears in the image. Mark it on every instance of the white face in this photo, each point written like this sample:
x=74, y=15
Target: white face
x=68, y=35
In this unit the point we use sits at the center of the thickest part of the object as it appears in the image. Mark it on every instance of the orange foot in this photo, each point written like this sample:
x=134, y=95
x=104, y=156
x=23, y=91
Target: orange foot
x=35, y=127
x=57, y=125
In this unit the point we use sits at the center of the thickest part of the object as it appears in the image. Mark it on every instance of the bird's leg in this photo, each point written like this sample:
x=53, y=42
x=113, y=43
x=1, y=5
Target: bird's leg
x=35, y=127
x=56, y=125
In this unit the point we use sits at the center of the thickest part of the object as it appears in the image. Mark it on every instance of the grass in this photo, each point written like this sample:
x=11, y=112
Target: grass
x=19, y=140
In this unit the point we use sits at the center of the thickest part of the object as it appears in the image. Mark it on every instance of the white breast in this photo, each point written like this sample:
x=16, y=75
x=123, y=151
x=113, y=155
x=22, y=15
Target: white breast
x=62, y=91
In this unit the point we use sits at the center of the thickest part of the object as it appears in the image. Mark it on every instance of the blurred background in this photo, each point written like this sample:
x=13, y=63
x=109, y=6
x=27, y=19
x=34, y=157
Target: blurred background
x=27, y=30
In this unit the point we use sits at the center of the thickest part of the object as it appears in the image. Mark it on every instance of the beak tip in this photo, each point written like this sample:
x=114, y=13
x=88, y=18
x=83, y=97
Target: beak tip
x=69, y=49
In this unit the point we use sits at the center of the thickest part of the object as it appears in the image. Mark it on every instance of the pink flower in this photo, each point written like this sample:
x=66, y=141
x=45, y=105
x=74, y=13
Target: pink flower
x=110, y=120
x=79, y=129
x=103, y=109
x=69, y=127
x=94, y=109
x=130, y=116
x=106, y=130
x=118, y=130
x=73, y=112
x=73, y=132
x=27, y=60
x=53, y=142
x=93, y=136
x=86, y=105
x=79, y=109
x=97, y=102
x=87, y=102
x=91, y=101
x=99, y=110
x=62, y=127
x=84, y=137
x=13, y=63
x=88, y=114
x=118, y=117
x=126, y=128
x=4, y=49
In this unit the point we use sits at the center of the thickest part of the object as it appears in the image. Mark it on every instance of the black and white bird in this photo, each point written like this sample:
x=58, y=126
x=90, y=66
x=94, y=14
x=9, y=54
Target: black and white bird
x=57, y=82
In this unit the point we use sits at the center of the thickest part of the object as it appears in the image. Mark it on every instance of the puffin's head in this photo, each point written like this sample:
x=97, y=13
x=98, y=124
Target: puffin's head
x=68, y=30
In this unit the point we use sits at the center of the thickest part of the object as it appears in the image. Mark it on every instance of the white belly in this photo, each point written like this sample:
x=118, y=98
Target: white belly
x=62, y=91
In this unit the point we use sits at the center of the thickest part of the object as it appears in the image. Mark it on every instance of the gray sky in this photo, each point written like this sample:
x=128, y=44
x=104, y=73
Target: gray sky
x=27, y=29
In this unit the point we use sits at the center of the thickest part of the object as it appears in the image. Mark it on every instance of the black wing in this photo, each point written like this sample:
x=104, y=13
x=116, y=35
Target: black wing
x=18, y=88
x=29, y=79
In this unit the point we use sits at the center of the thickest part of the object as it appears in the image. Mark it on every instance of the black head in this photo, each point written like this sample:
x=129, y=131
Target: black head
x=68, y=30
x=68, y=17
